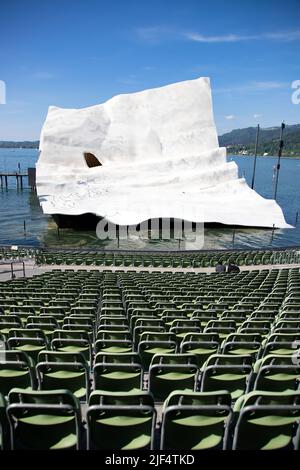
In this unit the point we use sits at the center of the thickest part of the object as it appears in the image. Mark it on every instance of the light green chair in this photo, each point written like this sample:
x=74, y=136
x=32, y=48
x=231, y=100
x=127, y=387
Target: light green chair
x=196, y=421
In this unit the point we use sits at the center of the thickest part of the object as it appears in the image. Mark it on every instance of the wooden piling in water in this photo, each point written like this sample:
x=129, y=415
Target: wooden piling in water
x=18, y=176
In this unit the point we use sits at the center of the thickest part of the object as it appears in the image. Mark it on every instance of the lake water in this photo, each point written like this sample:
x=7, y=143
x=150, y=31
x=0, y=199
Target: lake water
x=18, y=206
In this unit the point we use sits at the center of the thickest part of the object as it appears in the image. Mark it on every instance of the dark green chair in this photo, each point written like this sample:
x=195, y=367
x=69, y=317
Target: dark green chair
x=64, y=370
x=120, y=421
x=196, y=421
x=118, y=372
x=16, y=370
x=169, y=372
x=44, y=420
x=226, y=372
x=267, y=421
x=276, y=373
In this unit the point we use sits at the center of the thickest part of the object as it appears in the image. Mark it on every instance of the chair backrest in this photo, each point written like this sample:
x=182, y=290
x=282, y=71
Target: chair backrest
x=267, y=421
x=44, y=419
x=121, y=420
x=196, y=420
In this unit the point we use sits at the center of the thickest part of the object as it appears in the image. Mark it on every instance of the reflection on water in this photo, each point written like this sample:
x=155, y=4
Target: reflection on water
x=19, y=206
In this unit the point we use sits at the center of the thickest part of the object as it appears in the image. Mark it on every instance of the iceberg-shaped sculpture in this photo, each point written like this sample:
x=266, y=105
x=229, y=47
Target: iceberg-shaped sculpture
x=146, y=155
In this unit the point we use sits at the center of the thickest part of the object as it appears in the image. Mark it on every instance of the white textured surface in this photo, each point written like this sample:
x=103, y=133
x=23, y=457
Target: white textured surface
x=160, y=156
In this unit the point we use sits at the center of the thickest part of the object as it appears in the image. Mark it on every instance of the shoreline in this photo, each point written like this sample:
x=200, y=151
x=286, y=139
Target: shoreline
x=263, y=156
x=296, y=157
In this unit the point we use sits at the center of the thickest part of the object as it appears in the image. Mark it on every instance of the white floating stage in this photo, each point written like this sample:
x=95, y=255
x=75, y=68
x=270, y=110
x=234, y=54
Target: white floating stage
x=146, y=155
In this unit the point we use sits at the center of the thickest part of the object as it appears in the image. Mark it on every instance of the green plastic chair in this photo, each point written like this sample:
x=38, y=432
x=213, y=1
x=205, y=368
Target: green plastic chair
x=30, y=341
x=170, y=372
x=63, y=370
x=275, y=373
x=75, y=341
x=4, y=426
x=226, y=372
x=44, y=420
x=152, y=343
x=118, y=372
x=242, y=343
x=196, y=421
x=202, y=345
x=16, y=370
x=120, y=421
x=267, y=421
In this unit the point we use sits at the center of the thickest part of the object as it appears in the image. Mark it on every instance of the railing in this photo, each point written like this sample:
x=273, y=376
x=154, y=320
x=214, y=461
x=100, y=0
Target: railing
x=12, y=270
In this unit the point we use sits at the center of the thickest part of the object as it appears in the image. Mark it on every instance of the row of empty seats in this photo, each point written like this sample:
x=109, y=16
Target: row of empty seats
x=210, y=339
x=183, y=260
x=128, y=421
x=150, y=259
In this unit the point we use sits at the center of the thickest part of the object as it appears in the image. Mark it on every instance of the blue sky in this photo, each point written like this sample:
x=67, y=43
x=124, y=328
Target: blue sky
x=77, y=53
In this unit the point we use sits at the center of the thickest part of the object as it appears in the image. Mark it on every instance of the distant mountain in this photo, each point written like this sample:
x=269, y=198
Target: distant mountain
x=26, y=144
x=243, y=141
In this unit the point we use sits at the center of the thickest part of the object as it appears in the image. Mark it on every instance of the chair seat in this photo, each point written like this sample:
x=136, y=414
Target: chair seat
x=12, y=373
x=274, y=420
x=283, y=351
x=159, y=350
x=30, y=347
x=138, y=442
x=277, y=442
x=120, y=375
x=174, y=376
x=281, y=377
x=80, y=393
x=124, y=420
x=46, y=420
x=242, y=351
x=208, y=442
x=199, y=420
x=66, y=442
x=116, y=349
x=202, y=351
x=72, y=348
x=229, y=377
x=64, y=374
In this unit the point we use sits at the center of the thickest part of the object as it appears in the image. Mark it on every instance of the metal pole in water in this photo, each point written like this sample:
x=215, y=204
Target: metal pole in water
x=255, y=157
x=233, y=236
x=24, y=226
x=279, y=157
x=296, y=221
x=272, y=236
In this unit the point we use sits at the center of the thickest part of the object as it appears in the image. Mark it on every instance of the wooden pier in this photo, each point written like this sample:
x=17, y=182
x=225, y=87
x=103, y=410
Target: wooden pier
x=18, y=175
